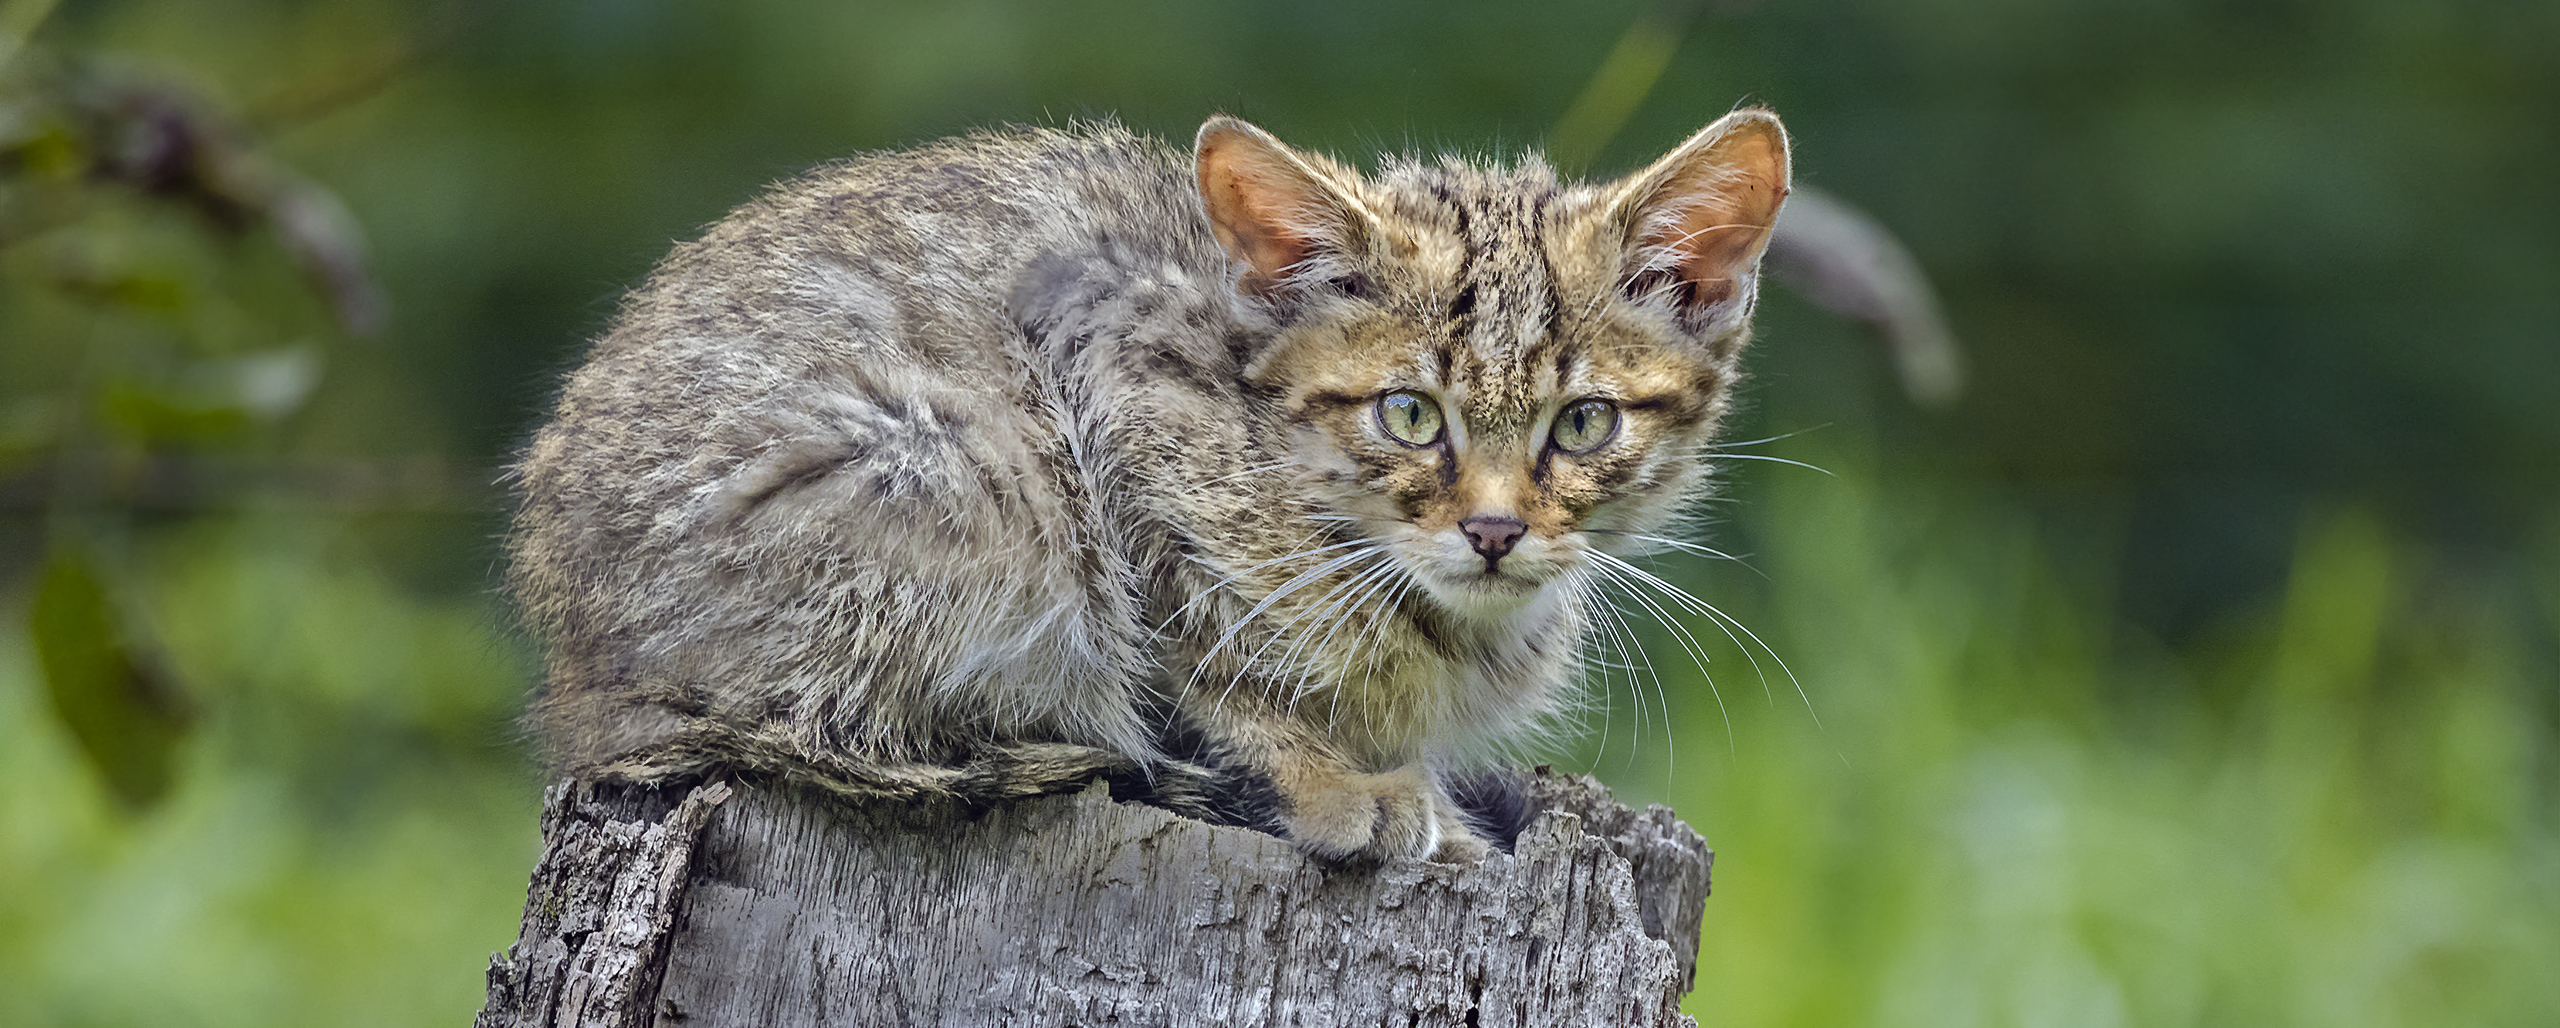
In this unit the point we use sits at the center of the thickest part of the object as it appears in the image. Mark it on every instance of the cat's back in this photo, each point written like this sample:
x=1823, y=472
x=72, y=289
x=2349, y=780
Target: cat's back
x=921, y=246
x=818, y=438
x=879, y=290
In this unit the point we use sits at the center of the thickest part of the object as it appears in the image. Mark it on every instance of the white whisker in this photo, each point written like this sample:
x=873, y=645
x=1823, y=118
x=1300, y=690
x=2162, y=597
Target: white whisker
x=1303, y=579
x=1358, y=605
x=1605, y=618
x=1231, y=579
x=1254, y=470
x=1763, y=439
x=1770, y=459
x=1312, y=614
x=1327, y=613
x=1681, y=545
x=1396, y=582
x=1615, y=571
x=1729, y=625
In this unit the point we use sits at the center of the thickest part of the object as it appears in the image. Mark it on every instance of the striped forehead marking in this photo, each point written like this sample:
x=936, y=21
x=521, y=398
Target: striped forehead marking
x=1504, y=308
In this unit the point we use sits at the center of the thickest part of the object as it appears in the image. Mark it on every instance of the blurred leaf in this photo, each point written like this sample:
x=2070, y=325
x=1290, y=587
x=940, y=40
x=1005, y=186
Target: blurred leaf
x=156, y=413
x=1625, y=77
x=119, y=705
x=2334, y=610
x=268, y=385
x=28, y=426
x=212, y=400
x=18, y=19
x=51, y=154
x=160, y=295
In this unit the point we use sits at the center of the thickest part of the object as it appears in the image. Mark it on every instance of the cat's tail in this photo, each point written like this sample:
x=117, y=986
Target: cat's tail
x=992, y=773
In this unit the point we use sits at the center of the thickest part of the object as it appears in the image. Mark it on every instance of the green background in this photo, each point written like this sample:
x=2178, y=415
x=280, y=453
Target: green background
x=2197, y=666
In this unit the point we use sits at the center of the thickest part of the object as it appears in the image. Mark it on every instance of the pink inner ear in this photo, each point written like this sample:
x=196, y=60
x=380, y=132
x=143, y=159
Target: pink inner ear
x=1718, y=242
x=1724, y=205
x=1253, y=227
x=1255, y=209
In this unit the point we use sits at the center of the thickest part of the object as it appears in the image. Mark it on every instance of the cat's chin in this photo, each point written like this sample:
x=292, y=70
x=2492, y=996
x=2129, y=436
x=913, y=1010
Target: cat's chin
x=1484, y=596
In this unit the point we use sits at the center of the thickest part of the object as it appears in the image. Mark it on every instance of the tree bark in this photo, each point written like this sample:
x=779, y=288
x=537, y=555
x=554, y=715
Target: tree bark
x=727, y=904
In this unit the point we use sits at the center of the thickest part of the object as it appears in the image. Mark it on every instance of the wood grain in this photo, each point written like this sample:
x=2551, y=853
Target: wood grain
x=753, y=906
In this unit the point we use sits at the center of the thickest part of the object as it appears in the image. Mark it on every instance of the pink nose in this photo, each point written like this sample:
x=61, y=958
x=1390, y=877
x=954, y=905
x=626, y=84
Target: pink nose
x=1493, y=537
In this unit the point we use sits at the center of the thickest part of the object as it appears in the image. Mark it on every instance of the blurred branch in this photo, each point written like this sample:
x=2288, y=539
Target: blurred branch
x=1844, y=260
x=162, y=142
x=362, y=75
x=174, y=347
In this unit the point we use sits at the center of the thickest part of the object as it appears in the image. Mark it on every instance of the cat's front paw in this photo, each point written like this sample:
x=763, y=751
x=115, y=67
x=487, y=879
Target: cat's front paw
x=1351, y=816
x=1396, y=815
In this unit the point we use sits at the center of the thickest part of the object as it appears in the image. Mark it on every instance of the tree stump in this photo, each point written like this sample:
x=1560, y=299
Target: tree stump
x=733, y=904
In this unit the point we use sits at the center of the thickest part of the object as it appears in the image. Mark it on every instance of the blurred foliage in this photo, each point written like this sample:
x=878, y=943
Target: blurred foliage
x=148, y=330
x=114, y=700
x=2013, y=811
x=2197, y=667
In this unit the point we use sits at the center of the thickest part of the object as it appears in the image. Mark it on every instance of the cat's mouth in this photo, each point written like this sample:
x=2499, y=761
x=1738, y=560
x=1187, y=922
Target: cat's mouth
x=1487, y=591
x=1469, y=581
x=1495, y=581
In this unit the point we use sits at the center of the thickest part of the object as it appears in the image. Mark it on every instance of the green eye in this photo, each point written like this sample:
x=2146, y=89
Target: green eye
x=1584, y=426
x=1410, y=418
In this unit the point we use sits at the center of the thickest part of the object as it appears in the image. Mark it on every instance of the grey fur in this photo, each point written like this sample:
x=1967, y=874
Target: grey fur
x=981, y=467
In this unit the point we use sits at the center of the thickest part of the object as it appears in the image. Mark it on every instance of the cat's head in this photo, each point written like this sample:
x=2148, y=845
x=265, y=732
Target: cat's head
x=1490, y=372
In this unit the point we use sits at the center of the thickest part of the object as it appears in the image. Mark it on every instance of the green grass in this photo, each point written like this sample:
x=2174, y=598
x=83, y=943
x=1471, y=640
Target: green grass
x=2014, y=810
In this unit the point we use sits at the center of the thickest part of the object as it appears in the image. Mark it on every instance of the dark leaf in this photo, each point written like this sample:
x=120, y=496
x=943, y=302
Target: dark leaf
x=118, y=704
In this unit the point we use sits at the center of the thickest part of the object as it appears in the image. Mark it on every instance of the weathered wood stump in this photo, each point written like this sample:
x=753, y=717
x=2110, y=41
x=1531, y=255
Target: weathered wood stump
x=725, y=904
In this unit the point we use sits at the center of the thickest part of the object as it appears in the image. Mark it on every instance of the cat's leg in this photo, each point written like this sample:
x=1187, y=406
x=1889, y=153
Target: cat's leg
x=1285, y=776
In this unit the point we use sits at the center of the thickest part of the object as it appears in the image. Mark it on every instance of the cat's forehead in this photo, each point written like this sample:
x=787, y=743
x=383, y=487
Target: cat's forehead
x=1524, y=384
x=1528, y=312
x=1476, y=237
x=1476, y=222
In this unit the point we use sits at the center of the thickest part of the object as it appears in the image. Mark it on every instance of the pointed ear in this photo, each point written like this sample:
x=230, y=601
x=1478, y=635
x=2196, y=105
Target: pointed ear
x=1287, y=216
x=1698, y=219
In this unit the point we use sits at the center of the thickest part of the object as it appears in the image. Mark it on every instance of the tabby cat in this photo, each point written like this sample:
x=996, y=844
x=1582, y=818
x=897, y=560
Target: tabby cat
x=1274, y=490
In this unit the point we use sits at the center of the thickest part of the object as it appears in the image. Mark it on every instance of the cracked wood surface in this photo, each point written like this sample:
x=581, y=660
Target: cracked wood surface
x=746, y=905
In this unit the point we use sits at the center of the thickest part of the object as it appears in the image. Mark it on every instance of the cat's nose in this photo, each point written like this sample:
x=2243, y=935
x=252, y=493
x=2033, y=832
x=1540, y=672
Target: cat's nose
x=1493, y=536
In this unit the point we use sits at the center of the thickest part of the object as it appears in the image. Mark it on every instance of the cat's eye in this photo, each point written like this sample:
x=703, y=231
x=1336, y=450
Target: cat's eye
x=1584, y=426
x=1409, y=418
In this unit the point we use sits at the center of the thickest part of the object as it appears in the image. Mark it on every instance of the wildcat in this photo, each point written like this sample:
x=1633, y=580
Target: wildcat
x=1018, y=458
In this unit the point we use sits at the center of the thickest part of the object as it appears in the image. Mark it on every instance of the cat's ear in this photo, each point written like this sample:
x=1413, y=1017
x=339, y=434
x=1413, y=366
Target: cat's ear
x=1697, y=221
x=1291, y=218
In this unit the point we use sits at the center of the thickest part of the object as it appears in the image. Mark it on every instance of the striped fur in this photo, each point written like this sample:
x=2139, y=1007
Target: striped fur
x=1017, y=459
